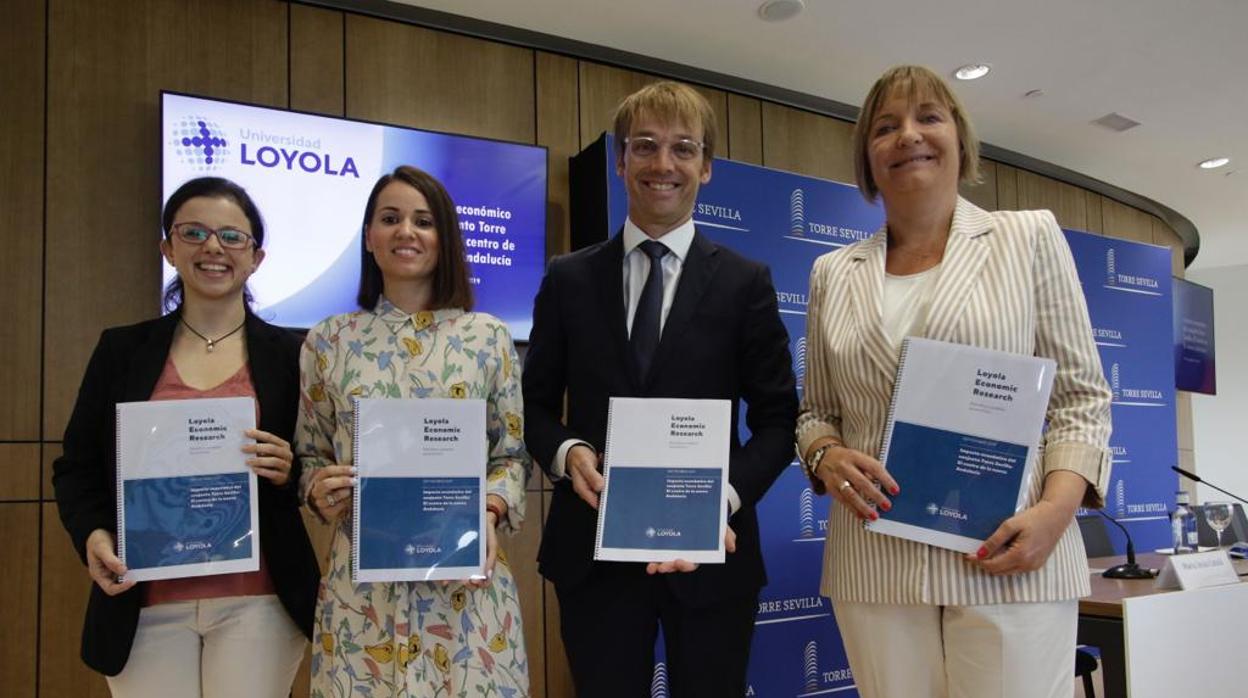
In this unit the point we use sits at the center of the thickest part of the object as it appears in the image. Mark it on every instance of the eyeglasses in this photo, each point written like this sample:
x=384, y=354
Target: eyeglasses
x=194, y=233
x=643, y=147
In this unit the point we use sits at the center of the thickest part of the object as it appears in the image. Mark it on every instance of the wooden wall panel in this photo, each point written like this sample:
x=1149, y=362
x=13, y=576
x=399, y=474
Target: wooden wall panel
x=1007, y=188
x=745, y=130
x=1095, y=222
x=1164, y=235
x=19, y=604
x=48, y=453
x=22, y=34
x=20, y=465
x=412, y=76
x=984, y=194
x=1068, y=203
x=558, y=129
x=107, y=62
x=1122, y=221
x=806, y=143
x=62, y=606
x=602, y=87
x=316, y=60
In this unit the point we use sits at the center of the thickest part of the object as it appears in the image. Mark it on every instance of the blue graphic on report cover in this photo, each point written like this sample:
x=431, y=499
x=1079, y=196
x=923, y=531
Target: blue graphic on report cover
x=310, y=177
x=189, y=519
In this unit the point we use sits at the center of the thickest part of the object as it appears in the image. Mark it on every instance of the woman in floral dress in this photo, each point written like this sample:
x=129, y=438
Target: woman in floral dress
x=414, y=337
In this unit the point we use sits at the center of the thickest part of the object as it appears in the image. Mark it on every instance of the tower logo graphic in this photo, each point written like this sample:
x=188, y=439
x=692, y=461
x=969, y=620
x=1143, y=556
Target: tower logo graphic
x=199, y=143
x=1113, y=381
x=799, y=359
x=812, y=666
x=797, y=212
x=1120, y=498
x=658, y=684
x=806, y=509
x=1111, y=270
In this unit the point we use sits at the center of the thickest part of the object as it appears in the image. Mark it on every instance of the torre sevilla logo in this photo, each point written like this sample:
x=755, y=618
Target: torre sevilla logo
x=199, y=143
x=811, y=662
x=806, y=509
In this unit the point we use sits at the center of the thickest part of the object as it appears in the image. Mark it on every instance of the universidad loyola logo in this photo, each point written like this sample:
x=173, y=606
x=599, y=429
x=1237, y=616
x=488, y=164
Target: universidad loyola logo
x=199, y=143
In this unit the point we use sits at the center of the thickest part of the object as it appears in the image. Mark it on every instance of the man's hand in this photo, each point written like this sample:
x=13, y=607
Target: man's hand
x=584, y=467
x=730, y=545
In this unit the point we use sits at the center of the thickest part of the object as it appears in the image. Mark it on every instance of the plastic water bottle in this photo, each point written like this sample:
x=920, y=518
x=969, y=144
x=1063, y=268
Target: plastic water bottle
x=1183, y=533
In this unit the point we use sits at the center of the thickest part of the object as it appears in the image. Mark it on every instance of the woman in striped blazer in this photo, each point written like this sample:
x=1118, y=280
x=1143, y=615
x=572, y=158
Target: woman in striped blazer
x=919, y=620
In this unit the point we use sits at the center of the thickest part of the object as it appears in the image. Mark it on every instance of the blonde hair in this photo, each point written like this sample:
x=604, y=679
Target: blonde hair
x=915, y=82
x=670, y=102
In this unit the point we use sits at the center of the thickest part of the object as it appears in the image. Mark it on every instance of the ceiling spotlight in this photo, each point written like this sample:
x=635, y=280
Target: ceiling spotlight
x=780, y=10
x=1214, y=163
x=972, y=71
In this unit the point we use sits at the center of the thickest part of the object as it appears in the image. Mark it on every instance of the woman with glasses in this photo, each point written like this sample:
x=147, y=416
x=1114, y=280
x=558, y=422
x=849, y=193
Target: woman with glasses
x=222, y=635
x=415, y=336
x=918, y=620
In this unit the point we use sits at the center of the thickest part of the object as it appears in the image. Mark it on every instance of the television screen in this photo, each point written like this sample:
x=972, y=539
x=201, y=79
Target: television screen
x=1194, y=368
x=311, y=175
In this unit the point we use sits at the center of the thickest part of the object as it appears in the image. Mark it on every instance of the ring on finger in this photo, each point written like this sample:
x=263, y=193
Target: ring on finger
x=847, y=485
x=329, y=498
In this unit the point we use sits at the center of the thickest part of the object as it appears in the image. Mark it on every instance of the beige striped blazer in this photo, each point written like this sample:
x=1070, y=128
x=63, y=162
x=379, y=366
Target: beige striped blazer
x=1007, y=282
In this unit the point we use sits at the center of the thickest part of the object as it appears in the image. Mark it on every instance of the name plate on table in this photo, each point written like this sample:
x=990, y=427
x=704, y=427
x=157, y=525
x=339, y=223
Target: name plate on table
x=1197, y=571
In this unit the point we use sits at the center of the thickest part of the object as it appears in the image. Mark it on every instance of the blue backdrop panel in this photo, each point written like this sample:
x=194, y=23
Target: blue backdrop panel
x=787, y=221
x=1127, y=285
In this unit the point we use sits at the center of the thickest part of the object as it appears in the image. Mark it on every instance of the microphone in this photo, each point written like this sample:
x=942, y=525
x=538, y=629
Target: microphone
x=1128, y=570
x=1196, y=478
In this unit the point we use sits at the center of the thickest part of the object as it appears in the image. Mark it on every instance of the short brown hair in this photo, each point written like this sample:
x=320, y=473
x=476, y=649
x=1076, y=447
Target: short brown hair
x=667, y=101
x=914, y=81
x=451, y=287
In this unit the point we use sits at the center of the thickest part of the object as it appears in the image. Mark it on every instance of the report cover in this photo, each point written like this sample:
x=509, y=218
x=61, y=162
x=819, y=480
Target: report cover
x=186, y=500
x=666, y=469
x=420, y=497
x=962, y=438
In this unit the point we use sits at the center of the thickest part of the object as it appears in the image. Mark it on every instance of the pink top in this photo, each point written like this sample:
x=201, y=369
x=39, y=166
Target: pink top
x=171, y=387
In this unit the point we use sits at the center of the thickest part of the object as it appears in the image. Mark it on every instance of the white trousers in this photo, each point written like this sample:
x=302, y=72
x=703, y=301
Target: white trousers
x=1016, y=650
x=212, y=648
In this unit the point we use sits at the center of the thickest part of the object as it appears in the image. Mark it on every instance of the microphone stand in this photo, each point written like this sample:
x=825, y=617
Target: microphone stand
x=1196, y=478
x=1128, y=570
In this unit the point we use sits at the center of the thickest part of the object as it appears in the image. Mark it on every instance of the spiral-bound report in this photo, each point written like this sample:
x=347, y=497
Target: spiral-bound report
x=962, y=439
x=419, y=511
x=186, y=501
x=666, y=477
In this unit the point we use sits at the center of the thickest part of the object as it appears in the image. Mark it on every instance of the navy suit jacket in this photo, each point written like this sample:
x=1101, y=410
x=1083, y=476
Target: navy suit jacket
x=723, y=339
x=125, y=366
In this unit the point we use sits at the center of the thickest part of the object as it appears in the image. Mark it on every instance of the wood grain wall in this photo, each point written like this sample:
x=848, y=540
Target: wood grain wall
x=79, y=84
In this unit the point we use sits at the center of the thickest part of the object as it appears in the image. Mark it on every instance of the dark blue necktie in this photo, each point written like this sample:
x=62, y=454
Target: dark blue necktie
x=644, y=339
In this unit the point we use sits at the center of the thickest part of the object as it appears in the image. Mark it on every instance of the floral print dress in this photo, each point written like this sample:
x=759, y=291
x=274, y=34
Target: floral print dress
x=414, y=638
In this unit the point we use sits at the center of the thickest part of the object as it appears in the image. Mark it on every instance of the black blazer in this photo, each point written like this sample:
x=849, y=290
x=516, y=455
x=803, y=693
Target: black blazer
x=124, y=367
x=723, y=339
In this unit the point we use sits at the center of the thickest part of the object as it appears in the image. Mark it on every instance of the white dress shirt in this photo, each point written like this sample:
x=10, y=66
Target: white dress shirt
x=636, y=269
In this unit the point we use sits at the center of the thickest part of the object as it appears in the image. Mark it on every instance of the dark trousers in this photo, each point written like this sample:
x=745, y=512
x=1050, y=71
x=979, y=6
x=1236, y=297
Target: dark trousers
x=609, y=625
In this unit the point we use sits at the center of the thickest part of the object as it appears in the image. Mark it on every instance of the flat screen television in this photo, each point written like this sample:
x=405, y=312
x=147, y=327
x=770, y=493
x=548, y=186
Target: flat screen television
x=1194, y=365
x=310, y=176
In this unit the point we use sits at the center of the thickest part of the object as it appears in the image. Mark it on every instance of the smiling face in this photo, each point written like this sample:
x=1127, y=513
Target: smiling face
x=661, y=188
x=913, y=147
x=403, y=235
x=208, y=271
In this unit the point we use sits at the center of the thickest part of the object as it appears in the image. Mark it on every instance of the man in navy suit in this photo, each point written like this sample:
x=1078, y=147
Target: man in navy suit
x=658, y=310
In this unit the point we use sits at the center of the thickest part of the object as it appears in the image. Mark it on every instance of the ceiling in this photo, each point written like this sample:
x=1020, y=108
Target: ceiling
x=1180, y=67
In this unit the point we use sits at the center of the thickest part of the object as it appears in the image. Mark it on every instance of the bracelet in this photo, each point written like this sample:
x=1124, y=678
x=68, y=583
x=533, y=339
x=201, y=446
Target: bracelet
x=498, y=511
x=812, y=465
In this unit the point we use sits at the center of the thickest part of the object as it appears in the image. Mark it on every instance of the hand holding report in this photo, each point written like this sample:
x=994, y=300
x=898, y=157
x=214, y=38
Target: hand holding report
x=186, y=499
x=962, y=438
x=666, y=474
x=419, y=508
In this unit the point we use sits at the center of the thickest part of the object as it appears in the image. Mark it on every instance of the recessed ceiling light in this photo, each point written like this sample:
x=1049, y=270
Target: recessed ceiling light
x=972, y=71
x=780, y=10
x=1214, y=163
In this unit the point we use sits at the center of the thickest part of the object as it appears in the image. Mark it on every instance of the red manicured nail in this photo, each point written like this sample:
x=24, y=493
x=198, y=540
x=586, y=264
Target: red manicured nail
x=894, y=490
x=982, y=552
x=874, y=516
x=886, y=506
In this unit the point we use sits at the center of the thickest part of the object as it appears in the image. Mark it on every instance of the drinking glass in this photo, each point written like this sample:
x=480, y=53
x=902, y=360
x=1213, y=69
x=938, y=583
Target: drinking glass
x=1218, y=514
